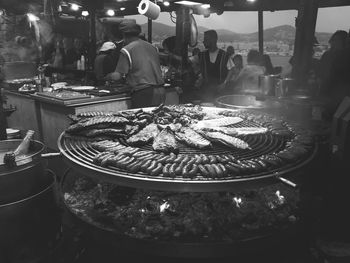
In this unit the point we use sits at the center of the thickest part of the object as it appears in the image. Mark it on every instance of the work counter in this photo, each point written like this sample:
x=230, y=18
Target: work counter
x=48, y=116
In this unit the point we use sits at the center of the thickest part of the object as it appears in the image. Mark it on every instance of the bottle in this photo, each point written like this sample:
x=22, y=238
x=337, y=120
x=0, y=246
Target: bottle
x=22, y=149
x=82, y=62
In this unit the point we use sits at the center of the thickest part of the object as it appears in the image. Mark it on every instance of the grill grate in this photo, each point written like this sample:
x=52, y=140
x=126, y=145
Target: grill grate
x=79, y=154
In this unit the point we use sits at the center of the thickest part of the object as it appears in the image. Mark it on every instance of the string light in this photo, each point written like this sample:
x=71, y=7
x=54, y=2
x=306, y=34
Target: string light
x=122, y=8
x=166, y=3
x=84, y=13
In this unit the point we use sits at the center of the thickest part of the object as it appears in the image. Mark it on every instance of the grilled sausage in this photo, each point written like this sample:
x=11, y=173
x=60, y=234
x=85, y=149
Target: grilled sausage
x=172, y=158
x=145, y=164
x=193, y=171
x=218, y=171
x=233, y=171
x=134, y=167
x=204, y=159
x=211, y=170
x=203, y=171
x=223, y=169
x=172, y=170
x=178, y=170
x=212, y=159
x=163, y=159
x=185, y=171
x=152, y=165
x=179, y=158
x=157, y=170
x=106, y=159
x=166, y=169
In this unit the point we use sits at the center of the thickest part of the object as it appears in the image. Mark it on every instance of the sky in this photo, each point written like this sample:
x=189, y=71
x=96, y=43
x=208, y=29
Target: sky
x=329, y=20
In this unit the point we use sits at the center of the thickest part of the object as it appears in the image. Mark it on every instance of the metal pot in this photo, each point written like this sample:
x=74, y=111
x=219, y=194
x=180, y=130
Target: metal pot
x=30, y=227
x=284, y=87
x=247, y=102
x=267, y=84
x=27, y=177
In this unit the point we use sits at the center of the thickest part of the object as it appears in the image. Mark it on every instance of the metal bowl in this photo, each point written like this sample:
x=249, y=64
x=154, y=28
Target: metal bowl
x=248, y=102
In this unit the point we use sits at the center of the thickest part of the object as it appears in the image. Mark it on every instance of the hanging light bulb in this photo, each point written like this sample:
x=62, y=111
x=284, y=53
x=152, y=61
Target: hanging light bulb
x=84, y=13
x=110, y=12
x=74, y=7
x=32, y=17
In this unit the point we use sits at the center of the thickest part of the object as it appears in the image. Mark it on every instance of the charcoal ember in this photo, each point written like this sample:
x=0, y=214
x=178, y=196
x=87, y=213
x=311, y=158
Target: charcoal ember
x=121, y=195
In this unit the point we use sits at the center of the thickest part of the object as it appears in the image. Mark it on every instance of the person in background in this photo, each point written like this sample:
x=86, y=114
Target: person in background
x=233, y=74
x=266, y=62
x=230, y=52
x=139, y=62
x=338, y=85
x=70, y=55
x=214, y=65
x=337, y=44
x=247, y=81
x=287, y=70
x=104, y=62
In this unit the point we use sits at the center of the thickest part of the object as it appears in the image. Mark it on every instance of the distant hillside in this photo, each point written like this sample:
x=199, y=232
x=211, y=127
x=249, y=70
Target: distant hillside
x=284, y=33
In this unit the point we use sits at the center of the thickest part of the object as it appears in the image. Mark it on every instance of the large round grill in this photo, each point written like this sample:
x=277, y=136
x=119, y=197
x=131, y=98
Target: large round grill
x=79, y=154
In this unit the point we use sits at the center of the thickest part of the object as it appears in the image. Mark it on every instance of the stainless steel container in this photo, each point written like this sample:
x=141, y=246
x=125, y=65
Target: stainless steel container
x=284, y=87
x=27, y=177
x=267, y=84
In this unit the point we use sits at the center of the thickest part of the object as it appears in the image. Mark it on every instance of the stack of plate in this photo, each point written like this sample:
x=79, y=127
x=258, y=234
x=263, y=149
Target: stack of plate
x=13, y=133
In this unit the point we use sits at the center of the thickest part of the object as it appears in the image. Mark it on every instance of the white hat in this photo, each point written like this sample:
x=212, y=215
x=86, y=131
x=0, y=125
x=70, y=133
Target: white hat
x=107, y=46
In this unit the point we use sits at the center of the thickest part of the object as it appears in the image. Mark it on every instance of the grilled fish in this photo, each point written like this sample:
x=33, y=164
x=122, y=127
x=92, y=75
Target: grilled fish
x=144, y=136
x=192, y=138
x=89, y=114
x=226, y=139
x=94, y=121
x=108, y=131
x=238, y=131
x=225, y=121
x=165, y=142
x=105, y=145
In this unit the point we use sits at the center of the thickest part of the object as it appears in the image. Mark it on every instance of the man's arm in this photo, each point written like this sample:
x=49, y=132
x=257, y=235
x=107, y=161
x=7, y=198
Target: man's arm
x=121, y=69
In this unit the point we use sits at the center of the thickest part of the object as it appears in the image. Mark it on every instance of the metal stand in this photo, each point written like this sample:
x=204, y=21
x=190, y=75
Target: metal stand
x=3, y=123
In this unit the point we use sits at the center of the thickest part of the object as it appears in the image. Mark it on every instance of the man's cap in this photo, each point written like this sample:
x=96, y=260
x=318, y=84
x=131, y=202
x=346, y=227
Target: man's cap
x=129, y=26
x=107, y=46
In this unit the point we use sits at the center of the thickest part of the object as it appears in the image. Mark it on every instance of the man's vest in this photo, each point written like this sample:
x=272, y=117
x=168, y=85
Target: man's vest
x=217, y=70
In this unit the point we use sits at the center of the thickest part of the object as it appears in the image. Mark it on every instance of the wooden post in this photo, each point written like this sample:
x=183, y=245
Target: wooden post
x=183, y=27
x=304, y=40
x=149, y=32
x=261, y=31
x=92, y=38
x=3, y=123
